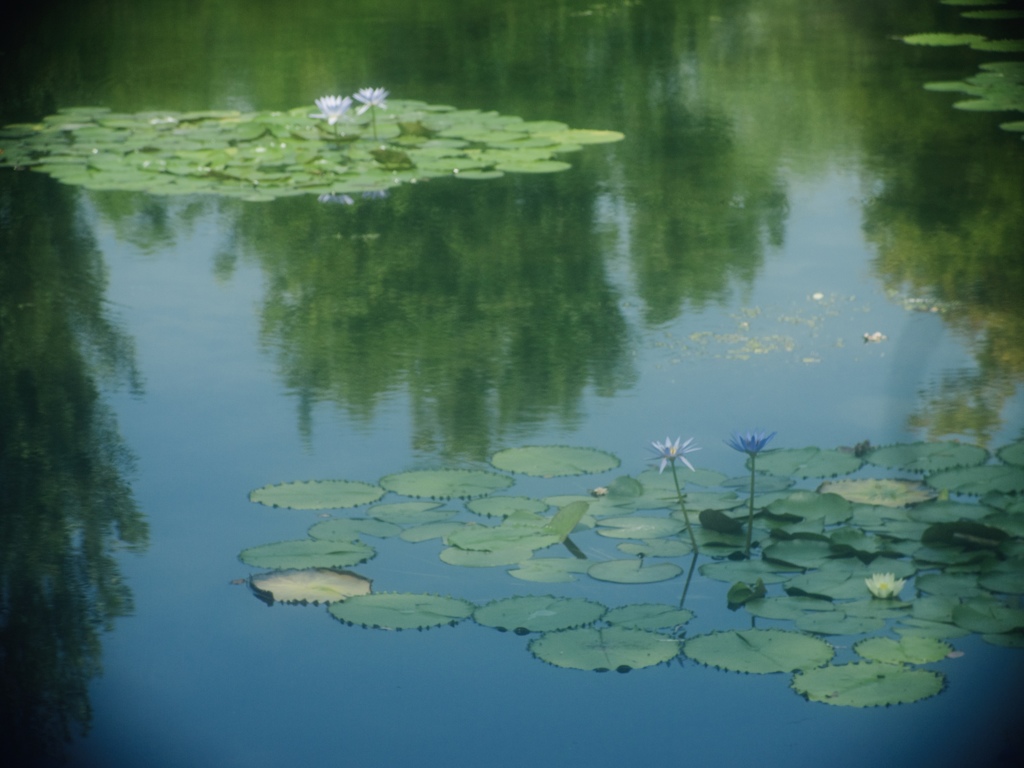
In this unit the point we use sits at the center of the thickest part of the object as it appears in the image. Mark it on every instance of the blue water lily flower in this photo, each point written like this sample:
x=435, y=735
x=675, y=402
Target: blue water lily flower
x=752, y=443
x=371, y=97
x=668, y=452
x=333, y=108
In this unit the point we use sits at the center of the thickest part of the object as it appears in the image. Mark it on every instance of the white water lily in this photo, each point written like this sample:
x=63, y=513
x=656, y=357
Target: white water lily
x=885, y=585
x=332, y=108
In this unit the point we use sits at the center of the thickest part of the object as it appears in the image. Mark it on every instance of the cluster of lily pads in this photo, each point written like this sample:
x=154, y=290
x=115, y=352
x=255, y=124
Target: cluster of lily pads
x=837, y=533
x=999, y=87
x=266, y=155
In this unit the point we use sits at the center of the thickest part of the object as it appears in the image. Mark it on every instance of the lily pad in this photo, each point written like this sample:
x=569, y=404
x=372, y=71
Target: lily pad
x=987, y=616
x=639, y=527
x=503, y=506
x=318, y=494
x=446, y=483
x=550, y=570
x=879, y=492
x=759, y=651
x=837, y=623
x=524, y=614
x=603, y=649
x=307, y=553
x=351, y=528
x=648, y=616
x=977, y=481
x=942, y=39
x=554, y=460
x=410, y=512
x=808, y=462
x=400, y=610
x=927, y=457
x=830, y=507
x=907, y=650
x=867, y=684
x=633, y=571
x=309, y=585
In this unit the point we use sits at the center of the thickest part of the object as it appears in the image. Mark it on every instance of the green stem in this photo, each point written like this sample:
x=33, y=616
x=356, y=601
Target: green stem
x=750, y=516
x=373, y=121
x=682, y=506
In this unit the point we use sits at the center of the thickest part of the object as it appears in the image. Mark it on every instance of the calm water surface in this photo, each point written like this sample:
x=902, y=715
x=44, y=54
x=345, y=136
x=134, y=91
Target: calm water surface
x=786, y=186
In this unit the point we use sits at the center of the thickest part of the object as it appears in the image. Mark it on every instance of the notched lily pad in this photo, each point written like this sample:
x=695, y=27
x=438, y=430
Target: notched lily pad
x=446, y=483
x=879, y=492
x=554, y=460
x=808, y=462
x=867, y=684
x=603, y=649
x=399, y=610
x=759, y=651
x=317, y=494
x=906, y=650
x=525, y=614
x=307, y=553
x=927, y=457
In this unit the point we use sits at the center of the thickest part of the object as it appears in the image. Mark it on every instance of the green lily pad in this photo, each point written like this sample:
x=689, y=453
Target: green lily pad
x=446, y=483
x=927, y=457
x=947, y=512
x=1006, y=578
x=554, y=460
x=350, y=529
x=321, y=494
x=503, y=506
x=410, y=512
x=513, y=554
x=837, y=623
x=393, y=610
x=524, y=614
x=879, y=492
x=731, y=571
x=977, y=481
x=309, y=585
x=907, y=650
x=639, y=527
x=808, y=462
x=830, y=507
x=307, y=553
x=787, y=607
x=600, y=650
x=648, y=616
x=987, y=616
x=758, y=651
x=633, y=571
x=867, y=684
x=550, y=570
x=1014, y=452
x=437, y=530
x=674, y=547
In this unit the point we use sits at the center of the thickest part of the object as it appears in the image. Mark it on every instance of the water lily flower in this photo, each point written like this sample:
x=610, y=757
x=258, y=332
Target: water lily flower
x=371, y=97
x=885, y=585
x=340, y=199
x=668, y=452
x=333, y=108
x=752, y=443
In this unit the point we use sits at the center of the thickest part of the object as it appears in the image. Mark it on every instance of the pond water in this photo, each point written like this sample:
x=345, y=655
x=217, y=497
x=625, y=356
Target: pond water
x=786, y=188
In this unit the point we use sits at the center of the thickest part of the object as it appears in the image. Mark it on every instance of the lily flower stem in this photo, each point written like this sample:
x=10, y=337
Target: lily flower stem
x=682, y=506
x=750, y=515
x=373, y=121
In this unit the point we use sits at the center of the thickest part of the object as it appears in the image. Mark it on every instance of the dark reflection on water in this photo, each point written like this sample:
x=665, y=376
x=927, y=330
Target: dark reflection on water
x=65, y=503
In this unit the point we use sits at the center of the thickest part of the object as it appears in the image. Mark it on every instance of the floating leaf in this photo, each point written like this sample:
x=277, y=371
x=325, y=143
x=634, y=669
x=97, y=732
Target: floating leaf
x=674, y=547
x=410, y=512
x=747, y=571
x=633, y=571
x=837, y=623
x=1014, y=452
x=758, y=651
x=320, y=494
x=309, y=585
x=399, y=610
x=550, y=570
x=927, y=457
x=554, y=460
x=538, y=614
x=988, y=616
x=600, y=650
x=349, y=529
x=437, y=530
x=808, y=462
x=879, y=492
x=966, y=533
x=503, y=506
x=977, y=481
x=787, y=607
x=867, y=684
x=446, y=483
x=830, y=507
x=639, y=527
x=566, y=519
x=947, y=512
x=511, y=554
x=648, y=616
x=907, y=650
x=307, y=553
